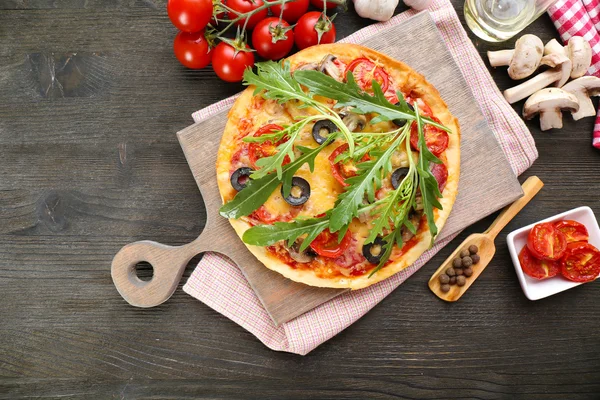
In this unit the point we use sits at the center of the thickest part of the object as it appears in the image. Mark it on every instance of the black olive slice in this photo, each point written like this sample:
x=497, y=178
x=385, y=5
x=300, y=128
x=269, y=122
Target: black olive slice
x=402, y=122
x=241, y=176
x=323, y=126
x=397, y=176
x=370, y=249
x=300, y=192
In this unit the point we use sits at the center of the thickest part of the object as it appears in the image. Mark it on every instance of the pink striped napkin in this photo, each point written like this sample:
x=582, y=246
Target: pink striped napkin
x=219, y=284
x=581, y=18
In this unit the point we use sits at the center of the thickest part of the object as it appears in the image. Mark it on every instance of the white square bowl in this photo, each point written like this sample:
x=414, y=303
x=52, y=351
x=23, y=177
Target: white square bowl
x=535, y=289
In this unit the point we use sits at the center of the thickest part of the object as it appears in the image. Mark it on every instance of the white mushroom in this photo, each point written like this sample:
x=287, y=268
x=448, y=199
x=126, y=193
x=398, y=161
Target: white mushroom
x=549, y=103
x=305, y=256
x=328, y=67
x=558, y=75
x=583, y=88
x=578, y=50
x=523, y=60
x=580, y=53
x=553, y=47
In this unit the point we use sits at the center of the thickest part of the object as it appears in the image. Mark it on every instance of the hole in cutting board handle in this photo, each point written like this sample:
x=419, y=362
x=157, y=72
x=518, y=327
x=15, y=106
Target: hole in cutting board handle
x=144, y=271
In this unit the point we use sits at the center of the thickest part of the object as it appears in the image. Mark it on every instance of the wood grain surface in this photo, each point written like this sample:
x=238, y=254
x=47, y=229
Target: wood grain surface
x=85, y=170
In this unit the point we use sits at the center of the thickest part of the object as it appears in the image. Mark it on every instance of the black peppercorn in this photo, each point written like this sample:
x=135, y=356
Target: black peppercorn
x=450, y=272
x=475, y=258
x=464, y=253
x=467, y=262
x=468, y=272
x=444, y=278
x=461, y=280
x=445, y=288
x=457, y=263
x=473, y=249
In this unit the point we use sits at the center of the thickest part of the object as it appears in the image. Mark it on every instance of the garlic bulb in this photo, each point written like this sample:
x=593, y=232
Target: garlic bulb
x=418, y=4
x=379, y=10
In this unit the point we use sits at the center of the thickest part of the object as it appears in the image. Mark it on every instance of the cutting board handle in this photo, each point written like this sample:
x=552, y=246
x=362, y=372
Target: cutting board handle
x=168, y=263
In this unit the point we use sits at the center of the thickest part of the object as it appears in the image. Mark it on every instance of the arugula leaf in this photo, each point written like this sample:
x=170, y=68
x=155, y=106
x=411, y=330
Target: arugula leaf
x=258, y=191
x=368, y=178
x=266, y=235
x=275, y=162
x=395, y=207
x=275, y=81
x=429, y=186
x=349, y=94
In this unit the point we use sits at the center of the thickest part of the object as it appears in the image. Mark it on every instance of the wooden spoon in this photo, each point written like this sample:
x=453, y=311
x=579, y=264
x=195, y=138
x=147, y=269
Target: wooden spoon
x=485, y=243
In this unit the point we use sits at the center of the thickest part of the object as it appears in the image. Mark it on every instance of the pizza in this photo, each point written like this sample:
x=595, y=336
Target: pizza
x=338, y=166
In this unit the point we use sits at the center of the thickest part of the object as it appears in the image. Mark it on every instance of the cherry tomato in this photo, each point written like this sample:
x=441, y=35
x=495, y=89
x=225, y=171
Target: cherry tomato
x=244, y=6
x=257, y=151
x=272, y=39
x=536, y=268
x=546, y=242
x=230, y=64
x=440, y=173
x=326, y=244
x=343, y=170
x=436, y=139
x=581, y=262
x=314, y=28
x=190, y=15
x=292, y=10
x=364, y=71
x=263, y=215
x=322, y=3
x=192, y=49
x=573, y=231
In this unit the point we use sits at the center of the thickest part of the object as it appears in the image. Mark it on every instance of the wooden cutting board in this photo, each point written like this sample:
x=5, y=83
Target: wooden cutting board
x=487, y=184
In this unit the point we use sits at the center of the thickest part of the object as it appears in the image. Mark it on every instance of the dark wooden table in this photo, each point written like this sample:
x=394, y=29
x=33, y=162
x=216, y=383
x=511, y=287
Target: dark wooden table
x=90, y=99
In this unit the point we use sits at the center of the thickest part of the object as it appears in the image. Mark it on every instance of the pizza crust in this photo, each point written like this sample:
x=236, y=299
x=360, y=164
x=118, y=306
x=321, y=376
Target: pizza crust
x=404, y=77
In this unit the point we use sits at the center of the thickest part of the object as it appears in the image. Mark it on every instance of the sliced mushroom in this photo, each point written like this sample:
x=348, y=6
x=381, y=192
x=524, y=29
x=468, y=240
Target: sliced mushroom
x=419, y=202
x=558, y=75
x=328, y=67
x=303, y=257
x=580, y=53
x=414, y=218
x=550, y=103
x=583, y=88
x=355, y=122
x=308, y=67
x=523, y=61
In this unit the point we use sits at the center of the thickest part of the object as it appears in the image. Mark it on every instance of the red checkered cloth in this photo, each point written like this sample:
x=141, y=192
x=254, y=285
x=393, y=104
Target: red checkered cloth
x=581, y=18
x=218, y=283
